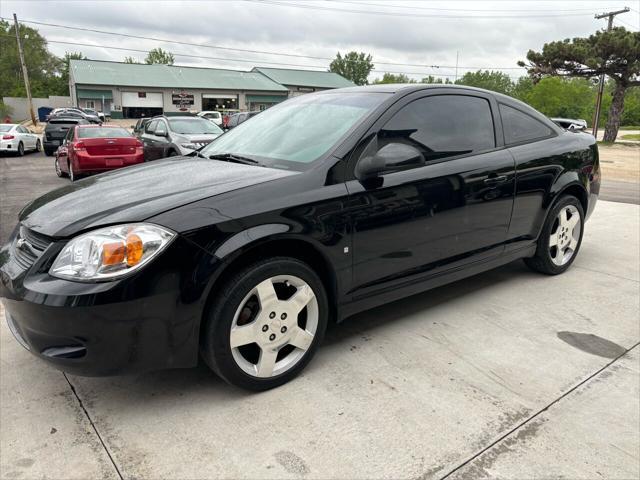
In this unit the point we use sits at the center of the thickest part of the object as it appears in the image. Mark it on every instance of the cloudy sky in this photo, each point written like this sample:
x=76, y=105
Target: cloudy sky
x=413, y=37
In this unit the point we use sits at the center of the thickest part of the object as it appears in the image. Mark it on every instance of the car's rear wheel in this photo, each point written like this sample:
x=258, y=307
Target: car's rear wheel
x=20, y=151
x=38, y=145
x=265, y=324
x=48, y=152
x=560, y=239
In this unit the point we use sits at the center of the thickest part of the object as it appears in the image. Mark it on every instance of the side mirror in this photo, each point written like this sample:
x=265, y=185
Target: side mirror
x=393, y=157
x=160, y=134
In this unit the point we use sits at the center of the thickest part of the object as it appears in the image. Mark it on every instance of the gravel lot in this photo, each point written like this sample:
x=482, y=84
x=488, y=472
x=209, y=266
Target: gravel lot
x=508, y=374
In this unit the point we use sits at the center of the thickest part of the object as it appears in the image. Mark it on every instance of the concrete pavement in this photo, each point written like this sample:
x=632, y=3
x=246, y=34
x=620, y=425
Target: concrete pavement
x=508, y=374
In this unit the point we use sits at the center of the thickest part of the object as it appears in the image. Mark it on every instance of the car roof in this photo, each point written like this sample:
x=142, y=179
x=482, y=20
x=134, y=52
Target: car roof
x=91, y=125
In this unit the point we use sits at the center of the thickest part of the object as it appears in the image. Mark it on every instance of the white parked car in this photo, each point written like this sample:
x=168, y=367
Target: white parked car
x=17, y=139
x=215, y=117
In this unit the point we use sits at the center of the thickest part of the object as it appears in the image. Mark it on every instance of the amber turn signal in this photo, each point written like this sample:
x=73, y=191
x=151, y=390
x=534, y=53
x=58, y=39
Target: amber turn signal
x=135, y=249
x=113, y=253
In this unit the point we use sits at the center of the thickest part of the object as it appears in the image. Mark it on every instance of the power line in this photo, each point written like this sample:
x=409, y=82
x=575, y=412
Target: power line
x=626, y=23
x=260, y=52
x=413, y=7
x=406, y=14
x=257, y=64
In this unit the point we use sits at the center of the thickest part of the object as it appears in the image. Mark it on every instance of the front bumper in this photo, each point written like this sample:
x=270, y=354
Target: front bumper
x=147, y=321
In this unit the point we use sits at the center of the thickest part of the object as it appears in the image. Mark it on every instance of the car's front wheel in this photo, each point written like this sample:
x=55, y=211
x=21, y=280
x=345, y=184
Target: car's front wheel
x=72, y=175
x=560, y=239
x=265, y=324
x=56, y=164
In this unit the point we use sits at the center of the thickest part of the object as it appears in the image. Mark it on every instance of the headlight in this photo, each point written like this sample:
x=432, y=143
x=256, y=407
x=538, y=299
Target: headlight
x=190, y=146
x=110, y=252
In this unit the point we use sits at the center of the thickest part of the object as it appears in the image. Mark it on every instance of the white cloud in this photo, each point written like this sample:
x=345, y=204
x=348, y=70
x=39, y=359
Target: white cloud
x=481, y=42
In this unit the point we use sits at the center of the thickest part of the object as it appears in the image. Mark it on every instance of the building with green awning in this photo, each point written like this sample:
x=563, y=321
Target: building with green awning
x=131, y=90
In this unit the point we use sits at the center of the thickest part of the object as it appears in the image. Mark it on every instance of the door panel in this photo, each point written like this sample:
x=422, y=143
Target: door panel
x=430, y=219
x=453, y=210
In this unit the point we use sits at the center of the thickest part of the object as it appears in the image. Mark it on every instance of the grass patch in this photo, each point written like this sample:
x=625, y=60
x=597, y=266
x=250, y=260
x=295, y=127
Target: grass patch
x=630, y=127
x=631, y=136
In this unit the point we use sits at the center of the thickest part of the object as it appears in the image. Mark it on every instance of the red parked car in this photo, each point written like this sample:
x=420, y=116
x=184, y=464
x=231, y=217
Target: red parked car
x=93, y=149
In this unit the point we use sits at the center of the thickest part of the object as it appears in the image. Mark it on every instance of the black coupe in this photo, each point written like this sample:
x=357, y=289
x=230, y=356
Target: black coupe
x=320, y=207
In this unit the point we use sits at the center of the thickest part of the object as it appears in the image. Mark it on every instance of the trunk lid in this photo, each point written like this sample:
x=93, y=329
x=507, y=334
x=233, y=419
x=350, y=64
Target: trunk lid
x=110, y=146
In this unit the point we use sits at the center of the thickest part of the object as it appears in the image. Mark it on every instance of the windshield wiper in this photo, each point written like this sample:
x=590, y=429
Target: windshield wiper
x=232, y=157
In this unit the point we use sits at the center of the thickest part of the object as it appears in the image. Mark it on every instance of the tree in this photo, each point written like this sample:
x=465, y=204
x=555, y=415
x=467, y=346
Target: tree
x=432, y=79
x=353, y=66
x=391, y=78
x=488, y=79
x=63, y=79
x=562, y=97
x=42, y=66
x=157, y=55
x=615, y=53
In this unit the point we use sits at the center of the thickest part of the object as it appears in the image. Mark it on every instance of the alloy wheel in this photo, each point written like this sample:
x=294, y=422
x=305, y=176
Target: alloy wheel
x=565, y=235
x=274, y=326
x=56, y=164
x=38, y=146
x=20, y=149
x=72, y=176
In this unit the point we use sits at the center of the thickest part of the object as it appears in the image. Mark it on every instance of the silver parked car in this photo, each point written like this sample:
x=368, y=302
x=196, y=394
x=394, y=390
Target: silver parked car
x=177, y=135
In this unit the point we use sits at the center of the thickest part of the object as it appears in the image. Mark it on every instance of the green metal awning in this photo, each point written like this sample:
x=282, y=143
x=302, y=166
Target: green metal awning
x=94, y=94
x=265, y=98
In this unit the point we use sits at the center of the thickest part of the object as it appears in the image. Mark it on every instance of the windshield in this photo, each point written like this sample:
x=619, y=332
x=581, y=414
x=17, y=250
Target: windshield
x=297, y=131
x=193, y=126
x=104, y=132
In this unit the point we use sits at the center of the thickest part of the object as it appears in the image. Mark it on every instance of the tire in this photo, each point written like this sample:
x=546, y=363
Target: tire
x=72, y=176
x=265, y=333
x=172, y=153
x=56, y=165
x=560, y=229
x=48, y=152
x=38, y=146
x=20, y=151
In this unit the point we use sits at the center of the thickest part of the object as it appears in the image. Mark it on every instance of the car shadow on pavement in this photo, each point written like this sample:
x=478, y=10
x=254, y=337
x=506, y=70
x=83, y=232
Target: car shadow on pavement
x=199, y=381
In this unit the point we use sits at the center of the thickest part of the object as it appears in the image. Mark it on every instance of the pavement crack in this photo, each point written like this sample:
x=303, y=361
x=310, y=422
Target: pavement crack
x=606, y=273
x=93, y=425
x=525, y=423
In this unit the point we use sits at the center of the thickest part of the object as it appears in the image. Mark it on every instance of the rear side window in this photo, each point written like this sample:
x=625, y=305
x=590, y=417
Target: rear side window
x=520, y=127
x=443, y=126
x=97, y=132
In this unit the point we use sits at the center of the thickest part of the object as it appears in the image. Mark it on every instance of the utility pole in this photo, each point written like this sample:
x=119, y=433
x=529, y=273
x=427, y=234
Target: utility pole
x=596, y=115
x=25, y=74
x=457, y=53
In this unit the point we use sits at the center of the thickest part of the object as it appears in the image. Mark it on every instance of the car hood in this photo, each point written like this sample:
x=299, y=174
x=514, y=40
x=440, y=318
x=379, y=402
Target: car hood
x=136, y=193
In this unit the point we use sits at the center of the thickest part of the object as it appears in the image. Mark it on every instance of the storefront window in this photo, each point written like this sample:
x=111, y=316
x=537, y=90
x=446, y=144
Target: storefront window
x=219, y=104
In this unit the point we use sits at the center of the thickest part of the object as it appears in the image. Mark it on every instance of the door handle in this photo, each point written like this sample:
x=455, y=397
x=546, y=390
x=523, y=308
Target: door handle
x=494, y=180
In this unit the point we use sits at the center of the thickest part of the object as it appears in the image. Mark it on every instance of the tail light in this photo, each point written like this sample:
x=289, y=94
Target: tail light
x=79, y=146
x=8, y=137
x=139, y=144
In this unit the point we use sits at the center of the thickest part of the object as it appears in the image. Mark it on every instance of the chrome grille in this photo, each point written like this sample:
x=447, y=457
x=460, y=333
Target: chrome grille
x=28, y=246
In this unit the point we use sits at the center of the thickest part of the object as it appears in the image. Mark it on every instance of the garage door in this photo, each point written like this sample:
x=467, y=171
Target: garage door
x=142, y=99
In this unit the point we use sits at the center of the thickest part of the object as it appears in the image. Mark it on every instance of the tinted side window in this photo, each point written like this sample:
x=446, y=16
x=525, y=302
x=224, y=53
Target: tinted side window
x=442, y=126
x=520, y=127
